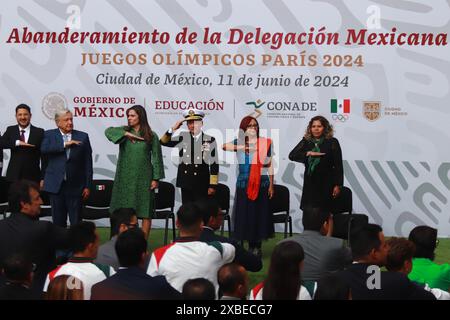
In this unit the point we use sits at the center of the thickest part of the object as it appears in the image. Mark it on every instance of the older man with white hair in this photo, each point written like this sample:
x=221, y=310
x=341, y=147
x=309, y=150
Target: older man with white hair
x=68, y=175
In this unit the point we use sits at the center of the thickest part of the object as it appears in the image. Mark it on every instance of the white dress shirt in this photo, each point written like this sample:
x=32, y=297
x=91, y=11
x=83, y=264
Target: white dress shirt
x=69, y=136
x=26, y=134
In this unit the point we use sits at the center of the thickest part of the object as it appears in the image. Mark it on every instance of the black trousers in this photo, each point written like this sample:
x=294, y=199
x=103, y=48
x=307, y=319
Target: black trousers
x=189, y=195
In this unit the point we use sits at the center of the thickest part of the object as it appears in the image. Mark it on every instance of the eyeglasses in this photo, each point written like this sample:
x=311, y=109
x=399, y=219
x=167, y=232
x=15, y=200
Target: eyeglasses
x=252, y=126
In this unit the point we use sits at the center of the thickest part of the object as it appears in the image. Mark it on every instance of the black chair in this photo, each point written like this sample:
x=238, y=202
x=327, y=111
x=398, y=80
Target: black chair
x=46, y=208
x=345, y=224
x=4, y=188
x=223, y=198
x=344, y=202
x=164, y=206
x=97, y=205
x=280, y=202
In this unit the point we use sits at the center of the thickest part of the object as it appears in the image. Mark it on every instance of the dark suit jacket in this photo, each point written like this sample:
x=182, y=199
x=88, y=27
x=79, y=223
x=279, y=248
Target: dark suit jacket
x=25, y=161
x=246, y=259
x=134, y=284
x=78, y=168
x=20, y=233
x=11, y=291
x=198, y=160
x=393, y=285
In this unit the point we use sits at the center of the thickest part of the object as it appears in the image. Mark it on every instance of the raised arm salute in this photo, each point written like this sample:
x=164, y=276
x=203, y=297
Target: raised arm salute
x=198, y=166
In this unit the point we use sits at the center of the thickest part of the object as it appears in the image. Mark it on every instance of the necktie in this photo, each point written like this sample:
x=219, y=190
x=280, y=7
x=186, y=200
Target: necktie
x=66, y=139
x=22, y=135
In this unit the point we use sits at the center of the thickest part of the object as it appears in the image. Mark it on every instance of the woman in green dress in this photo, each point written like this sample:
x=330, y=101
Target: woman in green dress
x=139, y=167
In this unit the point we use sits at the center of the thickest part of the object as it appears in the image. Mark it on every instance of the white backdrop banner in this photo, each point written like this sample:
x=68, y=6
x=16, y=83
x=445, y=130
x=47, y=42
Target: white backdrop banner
x=285, y=61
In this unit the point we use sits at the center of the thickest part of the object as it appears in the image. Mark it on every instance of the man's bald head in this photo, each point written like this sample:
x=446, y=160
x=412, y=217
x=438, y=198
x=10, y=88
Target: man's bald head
x=233, y=280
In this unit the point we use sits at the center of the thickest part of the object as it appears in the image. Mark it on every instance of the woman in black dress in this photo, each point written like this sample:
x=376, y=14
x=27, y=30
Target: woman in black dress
x=322, y=156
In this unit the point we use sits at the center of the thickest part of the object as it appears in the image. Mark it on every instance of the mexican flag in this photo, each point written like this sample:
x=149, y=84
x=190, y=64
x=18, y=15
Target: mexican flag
x=340, y=105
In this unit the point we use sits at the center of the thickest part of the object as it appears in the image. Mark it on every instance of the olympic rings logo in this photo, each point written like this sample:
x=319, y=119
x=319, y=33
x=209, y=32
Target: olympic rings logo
x=340, y=117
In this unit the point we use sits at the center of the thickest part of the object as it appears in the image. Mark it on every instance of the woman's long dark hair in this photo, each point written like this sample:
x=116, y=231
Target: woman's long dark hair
x=145, y=130
x=284, y=280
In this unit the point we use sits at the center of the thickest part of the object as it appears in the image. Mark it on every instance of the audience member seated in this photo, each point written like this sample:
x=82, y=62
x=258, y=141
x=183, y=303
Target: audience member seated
x=364, y=277
x=212, y=221
x=19, y=272
x=283, y=281
x=332, y=287
x=84, y=244
x=65, y=287
x=199, y=289
x=131, y=282
x=22, y=232
x=121, y=220
x=233, y=282
x=425, y=270
x=399, y=259
x=323, y=253
x=188, y=258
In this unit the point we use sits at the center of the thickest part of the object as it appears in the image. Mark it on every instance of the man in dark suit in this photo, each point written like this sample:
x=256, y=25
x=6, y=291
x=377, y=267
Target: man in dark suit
x=212, y=221
x=323, y=253
x=24, y=140
x=364, y=277
x=131, y=282
x=68, y=175
x=198, y=168
x=19, y=272
x=23, y=232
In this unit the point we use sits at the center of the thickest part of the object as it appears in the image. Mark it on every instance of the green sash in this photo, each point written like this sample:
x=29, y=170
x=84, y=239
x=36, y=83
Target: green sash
x=314, y=161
